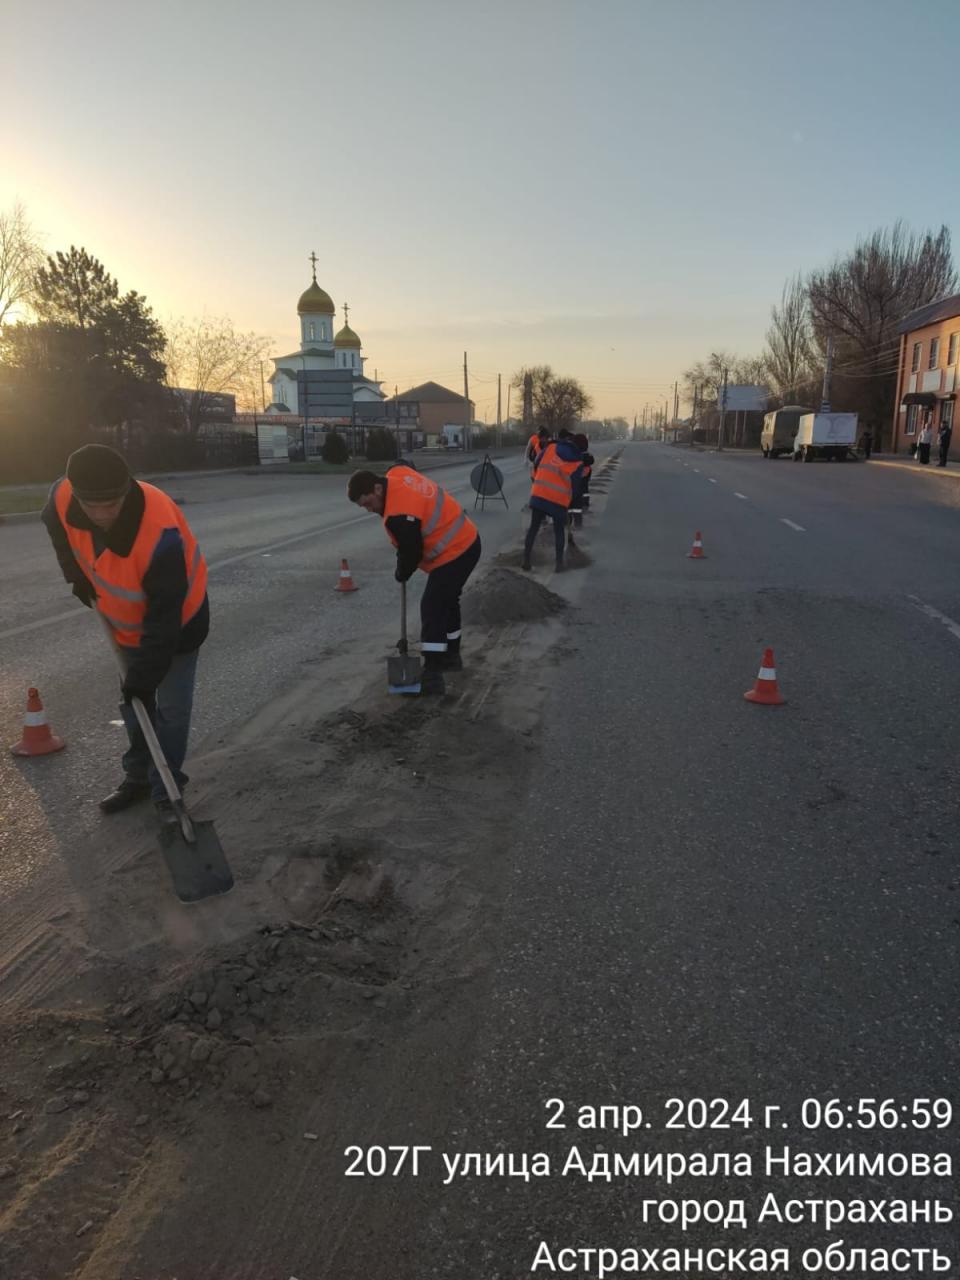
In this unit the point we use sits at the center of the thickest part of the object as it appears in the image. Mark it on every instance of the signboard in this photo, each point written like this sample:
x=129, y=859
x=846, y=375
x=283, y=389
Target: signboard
x=272, y=443
x=747, y=399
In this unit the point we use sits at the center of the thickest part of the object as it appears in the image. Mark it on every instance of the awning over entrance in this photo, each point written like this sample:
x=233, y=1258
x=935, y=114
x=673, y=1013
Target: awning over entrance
x=946, y=395
x=926, y=398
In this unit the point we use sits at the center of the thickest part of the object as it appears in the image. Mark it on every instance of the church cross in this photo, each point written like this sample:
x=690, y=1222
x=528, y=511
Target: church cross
x=346, y=313
x=314, y=260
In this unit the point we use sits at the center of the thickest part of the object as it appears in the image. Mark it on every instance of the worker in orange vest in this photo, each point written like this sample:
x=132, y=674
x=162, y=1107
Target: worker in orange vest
x=126, y=549
x=432, y=532
x=552, y=493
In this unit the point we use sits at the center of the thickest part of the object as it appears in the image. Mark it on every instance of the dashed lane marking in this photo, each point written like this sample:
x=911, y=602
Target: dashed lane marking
x=799, y=527
x=741, y=495
x=712, y=481
x=931, y=612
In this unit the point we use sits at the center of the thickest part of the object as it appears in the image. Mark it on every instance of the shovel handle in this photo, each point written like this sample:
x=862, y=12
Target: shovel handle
x=153, y=743
x=402, y=646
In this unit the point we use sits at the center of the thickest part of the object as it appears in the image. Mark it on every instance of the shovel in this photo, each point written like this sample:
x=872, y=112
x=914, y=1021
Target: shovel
x=403, y=671
x=191, y=849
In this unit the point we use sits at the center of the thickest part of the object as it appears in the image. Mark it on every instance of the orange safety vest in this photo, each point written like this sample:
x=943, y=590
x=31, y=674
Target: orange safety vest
x=118, y=580
x=446, y=529
x=552, y=481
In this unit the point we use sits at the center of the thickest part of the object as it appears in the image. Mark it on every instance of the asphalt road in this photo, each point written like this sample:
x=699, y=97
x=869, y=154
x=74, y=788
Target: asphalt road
x=715, y=900
x=705, y=899
x=273, y=543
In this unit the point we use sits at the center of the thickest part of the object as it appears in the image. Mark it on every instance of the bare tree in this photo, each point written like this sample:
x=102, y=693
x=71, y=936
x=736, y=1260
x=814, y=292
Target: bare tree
x=20, y=259
x=557, y=402
x=208, y=358
x=789, y=354
x=859, y=301
x=706, y=376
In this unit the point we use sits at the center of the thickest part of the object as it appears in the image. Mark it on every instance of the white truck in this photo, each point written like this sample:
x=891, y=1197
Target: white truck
x=825, y=435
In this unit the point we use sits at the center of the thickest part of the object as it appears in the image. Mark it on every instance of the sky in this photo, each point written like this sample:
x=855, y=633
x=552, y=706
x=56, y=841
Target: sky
x=614, y=188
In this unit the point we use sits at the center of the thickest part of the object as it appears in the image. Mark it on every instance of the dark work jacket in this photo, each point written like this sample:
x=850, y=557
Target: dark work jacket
x=164, y=584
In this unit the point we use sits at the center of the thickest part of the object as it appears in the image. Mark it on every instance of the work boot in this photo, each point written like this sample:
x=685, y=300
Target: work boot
x=559, y=567
x=166, y=813
x=432, y=683
x=525, y=564
x=452, y=660
x=129, y=792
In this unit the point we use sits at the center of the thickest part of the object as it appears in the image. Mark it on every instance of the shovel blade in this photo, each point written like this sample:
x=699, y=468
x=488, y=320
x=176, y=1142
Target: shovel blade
x=199, y=869
x=403, y=674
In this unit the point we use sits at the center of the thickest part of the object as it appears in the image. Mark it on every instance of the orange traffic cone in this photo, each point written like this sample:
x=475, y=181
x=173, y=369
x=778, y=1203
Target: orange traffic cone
x=765, y=689
x=345, y=582
x=37, y=739
x=698, y=552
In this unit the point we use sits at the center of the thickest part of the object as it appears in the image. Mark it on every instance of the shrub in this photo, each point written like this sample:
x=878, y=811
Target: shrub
x=335, y=450
x=381, y=445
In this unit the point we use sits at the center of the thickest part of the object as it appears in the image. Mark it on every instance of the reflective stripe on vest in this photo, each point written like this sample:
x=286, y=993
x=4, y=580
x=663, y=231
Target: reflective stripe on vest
x=118, y=580
x=446, y=529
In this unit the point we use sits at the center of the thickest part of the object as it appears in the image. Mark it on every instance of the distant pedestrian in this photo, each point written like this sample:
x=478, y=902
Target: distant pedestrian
x=867, y=443
x=924, y=443
x=944, y=436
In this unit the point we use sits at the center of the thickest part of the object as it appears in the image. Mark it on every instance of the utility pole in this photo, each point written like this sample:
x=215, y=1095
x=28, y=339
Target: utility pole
x=466, y=406
x=827, y=374
x=508, y=403
x=723, y=411
x=676, y=403
x=693, y=412
x=499, y=419
x=396, y=407
x=527, y=401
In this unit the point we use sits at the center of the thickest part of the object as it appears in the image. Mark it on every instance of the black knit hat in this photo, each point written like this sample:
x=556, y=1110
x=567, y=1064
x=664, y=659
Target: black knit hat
x=98, y=473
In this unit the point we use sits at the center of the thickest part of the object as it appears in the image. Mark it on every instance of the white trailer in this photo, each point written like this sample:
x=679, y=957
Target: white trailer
x=825, y=435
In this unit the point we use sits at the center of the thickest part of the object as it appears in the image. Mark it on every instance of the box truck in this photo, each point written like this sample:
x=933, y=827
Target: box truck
x=825, y=435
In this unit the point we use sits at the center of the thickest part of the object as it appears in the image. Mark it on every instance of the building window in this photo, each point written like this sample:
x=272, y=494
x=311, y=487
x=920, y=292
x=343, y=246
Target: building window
x=917, y=346
x=912, y=411
x=946, y=414
x=323, y=330
x=313, y=332
x=934, y=353
x=952, y=350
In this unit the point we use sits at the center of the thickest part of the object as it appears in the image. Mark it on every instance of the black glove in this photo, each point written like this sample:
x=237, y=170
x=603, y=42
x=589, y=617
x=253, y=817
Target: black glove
x=84, y=592
x=147, y=696
x=400, y=576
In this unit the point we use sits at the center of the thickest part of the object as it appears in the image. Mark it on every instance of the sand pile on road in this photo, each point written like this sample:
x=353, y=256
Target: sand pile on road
x=504, y=596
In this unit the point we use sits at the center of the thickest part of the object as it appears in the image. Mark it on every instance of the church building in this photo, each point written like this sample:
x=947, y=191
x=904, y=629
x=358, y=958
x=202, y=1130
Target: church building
x=325, y=378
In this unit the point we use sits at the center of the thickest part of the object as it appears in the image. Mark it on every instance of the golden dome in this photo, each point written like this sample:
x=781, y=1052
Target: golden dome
x=347, y=338
x=315, y=301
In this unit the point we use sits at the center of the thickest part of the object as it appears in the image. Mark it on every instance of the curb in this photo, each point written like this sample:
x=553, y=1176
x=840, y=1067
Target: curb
x=917, y=469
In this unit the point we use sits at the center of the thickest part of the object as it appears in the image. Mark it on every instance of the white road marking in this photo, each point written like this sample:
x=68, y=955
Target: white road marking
x=740, y=495
x=799, y=527
x=712, y=481
x=697, y=470
x=931, y=612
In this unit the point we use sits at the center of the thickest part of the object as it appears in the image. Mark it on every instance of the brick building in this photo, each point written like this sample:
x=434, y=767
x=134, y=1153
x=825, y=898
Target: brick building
x=927, y=372
x=439, y=407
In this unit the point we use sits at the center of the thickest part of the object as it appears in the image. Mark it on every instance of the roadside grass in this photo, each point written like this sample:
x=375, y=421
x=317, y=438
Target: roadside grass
x=15, y=501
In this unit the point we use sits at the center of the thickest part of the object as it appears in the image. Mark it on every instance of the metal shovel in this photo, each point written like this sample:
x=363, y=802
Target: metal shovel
x=403, y=671
x=191, y=849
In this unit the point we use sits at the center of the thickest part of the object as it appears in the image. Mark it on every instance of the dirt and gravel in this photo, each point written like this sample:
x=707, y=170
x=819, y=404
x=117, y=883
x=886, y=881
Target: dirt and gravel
x=156, y=1059
x=362, y=832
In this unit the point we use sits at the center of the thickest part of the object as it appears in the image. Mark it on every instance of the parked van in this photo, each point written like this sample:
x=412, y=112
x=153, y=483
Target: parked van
x=780, y=429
